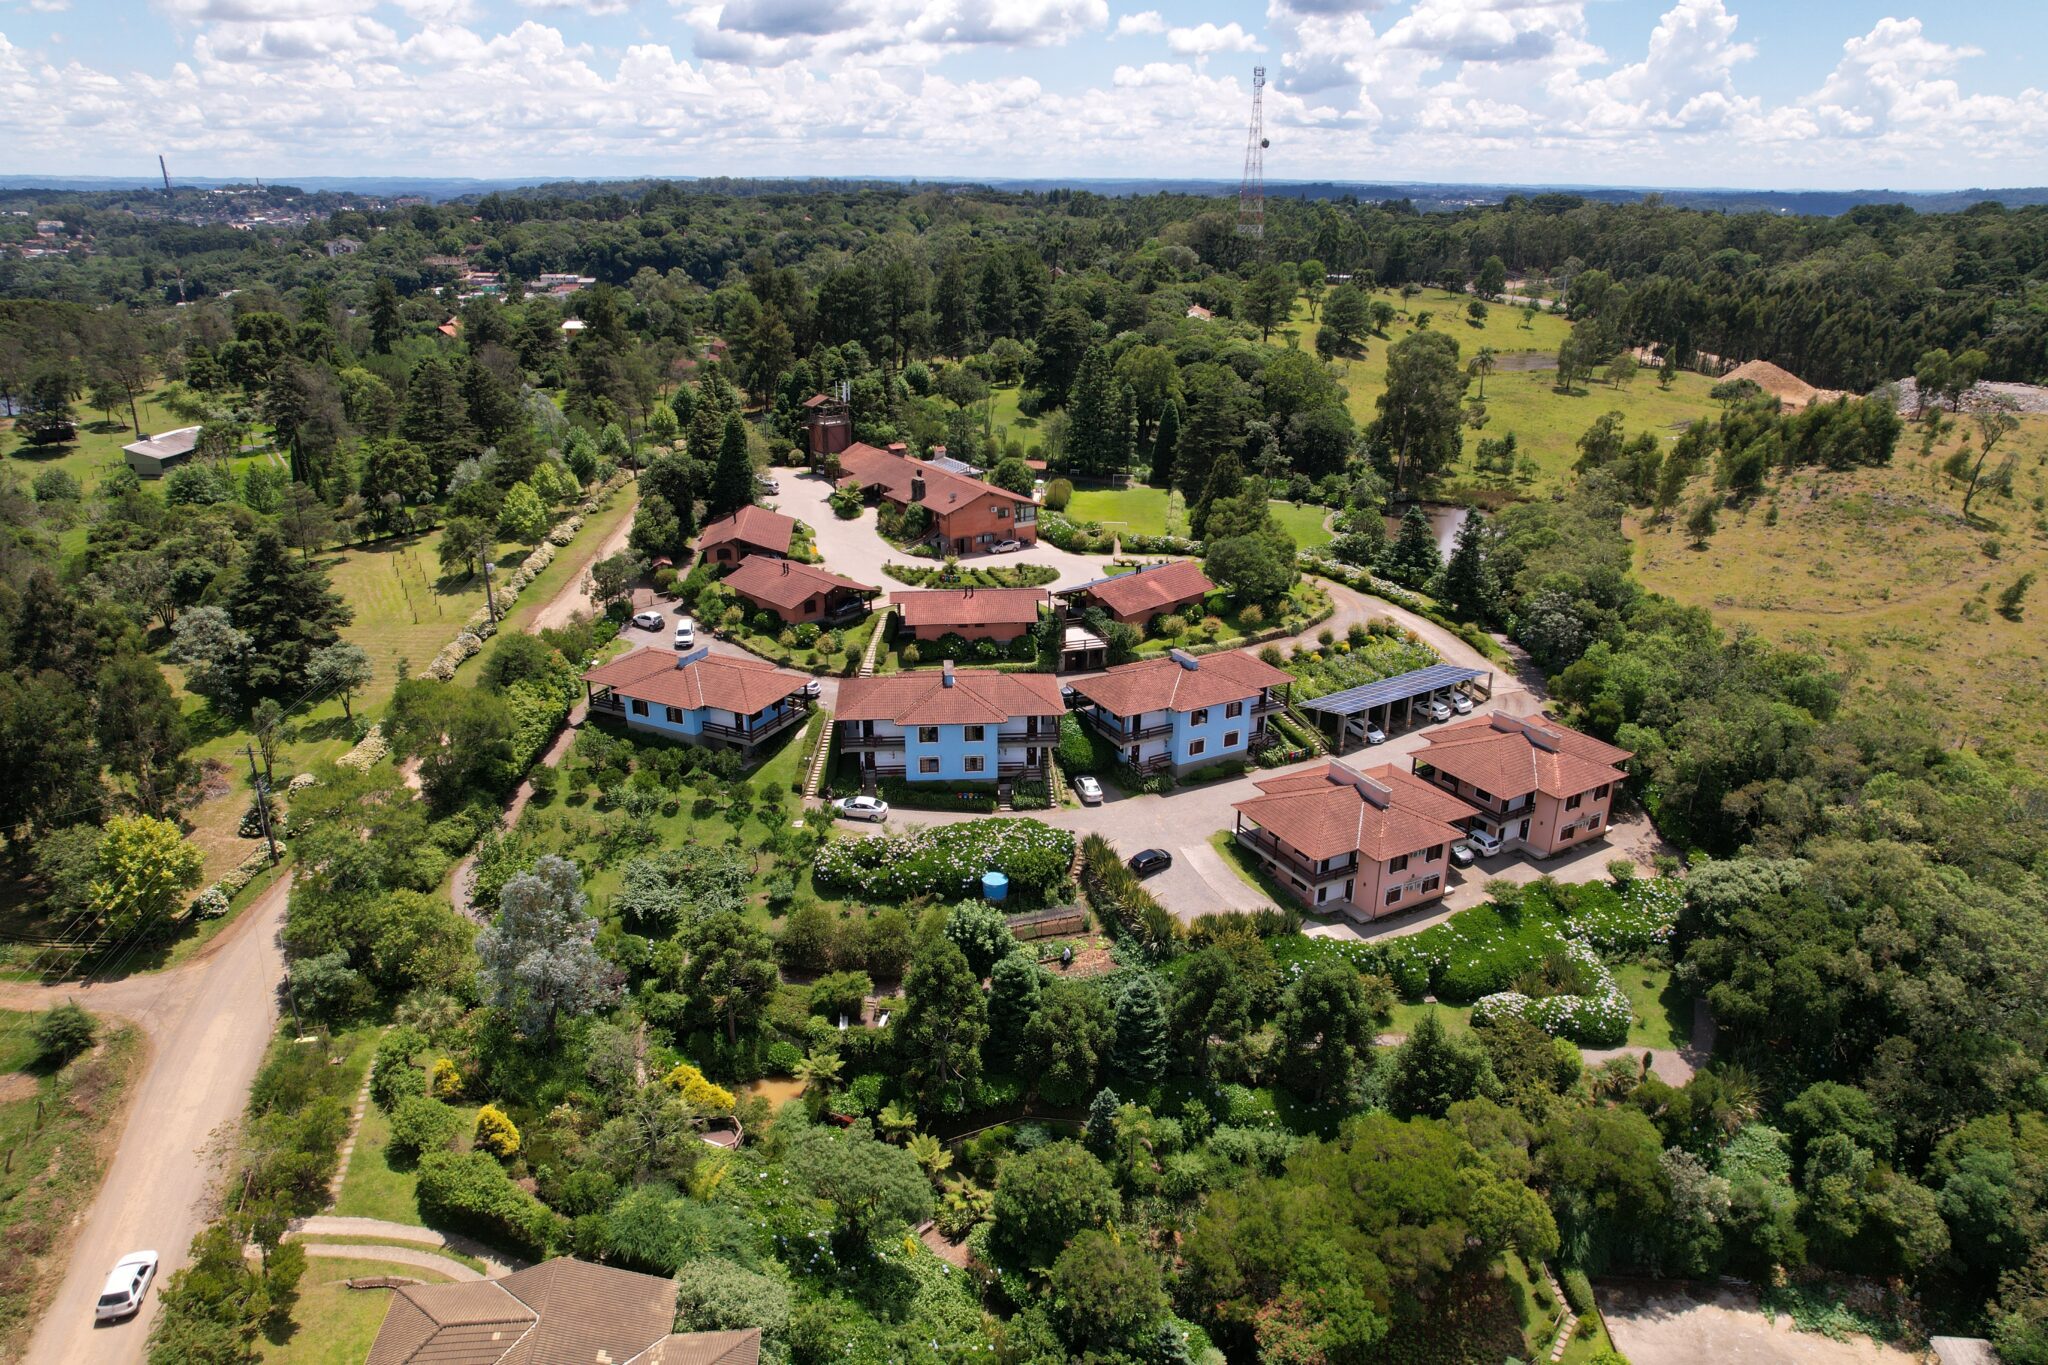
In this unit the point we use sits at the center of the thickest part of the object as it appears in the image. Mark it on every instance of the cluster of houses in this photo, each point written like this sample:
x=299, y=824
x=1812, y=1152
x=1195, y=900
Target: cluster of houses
x=1365, y=842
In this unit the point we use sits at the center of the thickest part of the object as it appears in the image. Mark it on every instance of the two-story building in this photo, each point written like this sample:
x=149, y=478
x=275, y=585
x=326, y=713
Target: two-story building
x=1136, y=598
x=749, y=531
x=1177, y=711
x=1367, y=843
x=1535, y=784
x=967, y=515
x=795, y=592
x=1000, y=614
x=948, y=725
x=699, y=697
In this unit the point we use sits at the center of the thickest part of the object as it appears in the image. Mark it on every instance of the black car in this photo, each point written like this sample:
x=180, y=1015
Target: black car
x=1151, y=860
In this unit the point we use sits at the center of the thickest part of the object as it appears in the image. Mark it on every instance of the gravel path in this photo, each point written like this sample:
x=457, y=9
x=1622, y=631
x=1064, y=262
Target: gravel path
x=424, y=1260
x=330, y=1225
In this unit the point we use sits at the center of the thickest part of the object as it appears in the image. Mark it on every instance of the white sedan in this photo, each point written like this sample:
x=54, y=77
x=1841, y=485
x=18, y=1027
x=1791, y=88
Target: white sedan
x=861, y=808
x=125, y=1286
x=1434, y=709
x=1374, y=735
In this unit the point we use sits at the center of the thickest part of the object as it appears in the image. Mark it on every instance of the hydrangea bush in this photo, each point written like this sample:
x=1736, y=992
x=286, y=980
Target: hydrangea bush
x=949, y=860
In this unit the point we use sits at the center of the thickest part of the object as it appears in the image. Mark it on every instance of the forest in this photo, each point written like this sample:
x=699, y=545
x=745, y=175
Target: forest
x=1194, y=1149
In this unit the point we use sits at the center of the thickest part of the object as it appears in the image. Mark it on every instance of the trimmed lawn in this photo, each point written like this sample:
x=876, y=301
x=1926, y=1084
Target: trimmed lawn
x=1304, y=521
x=379, y=1185
x=1454, y=1018
x=1004, y=419
x=331, y=1323
x=1660, y=1009
x=1137, y=509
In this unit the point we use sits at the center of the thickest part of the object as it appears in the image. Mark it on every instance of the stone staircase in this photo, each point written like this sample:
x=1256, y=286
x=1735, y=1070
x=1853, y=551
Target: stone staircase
x=821, y=759
x=867, y=660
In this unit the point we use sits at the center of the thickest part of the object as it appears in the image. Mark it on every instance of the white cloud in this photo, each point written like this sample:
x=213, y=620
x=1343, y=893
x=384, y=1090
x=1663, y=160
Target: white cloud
x=1205, y=38
x=1144, y=21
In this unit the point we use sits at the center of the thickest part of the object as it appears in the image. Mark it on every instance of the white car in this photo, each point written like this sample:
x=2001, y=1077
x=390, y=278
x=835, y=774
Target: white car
x=1089, y=790
x=649, y=620
x=861, y=808
x=1436, y=710
x=686, y=633
x=1484, y=842
x=126, y=1284
x=1003, y=547
x=766, y=484
x=1374, y=735
x=1461, y=703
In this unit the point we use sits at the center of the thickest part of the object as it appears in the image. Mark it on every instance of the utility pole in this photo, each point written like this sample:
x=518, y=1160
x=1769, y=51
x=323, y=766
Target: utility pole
x=490, y=604
x=262, y=803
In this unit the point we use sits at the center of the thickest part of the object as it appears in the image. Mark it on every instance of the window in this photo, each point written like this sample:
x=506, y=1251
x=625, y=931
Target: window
x=1431, y=882
x=1482, y=794
x=1399, y=864
x=1393, y=895
x=1195, y=747
x=1002, y=514
x=675, y=714
x=1593, y=822
x=975, y=734
x=1436, y=851
x=1200, y=717
x=1322, y=894
x=927, y=765
x=1574, y=802
x=974, y=762
x=1600, y=792
x=1028, y=513
x=927, y=734
x=639, y=707
x=1230, y=739
x=1234, y=710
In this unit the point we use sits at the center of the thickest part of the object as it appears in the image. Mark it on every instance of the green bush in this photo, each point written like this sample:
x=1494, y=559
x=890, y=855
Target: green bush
x=1578, y=1290
x=782, y=1057
x=1081, y=749
x=61, y=1033
x=1030, y=796
x=420, y=1125
x=977, y=798
x=949, y=860
x=393, y=1077
x=470, y=1192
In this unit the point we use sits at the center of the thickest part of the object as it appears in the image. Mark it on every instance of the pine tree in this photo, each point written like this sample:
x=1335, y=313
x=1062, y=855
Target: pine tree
x=1139, y=1050
x=1469, y=585
x=732, y=486
x=1124, y=432
x=1099, y=1136
x=385, y=322
x=1166, y=446
x=1094, y=406
x=1414, y=559
x=287, y=611
x=1226, y=480
x=436, y=418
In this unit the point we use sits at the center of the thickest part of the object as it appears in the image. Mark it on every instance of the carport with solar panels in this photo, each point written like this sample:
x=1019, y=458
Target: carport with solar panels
x=1389, y=703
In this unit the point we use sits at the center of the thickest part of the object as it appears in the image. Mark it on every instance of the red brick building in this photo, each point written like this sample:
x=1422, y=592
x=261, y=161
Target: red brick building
x=973, y=613
x=1136, y=598
x=967, y=515
x=749, y=531
x=1531, y=781
x=798, y=592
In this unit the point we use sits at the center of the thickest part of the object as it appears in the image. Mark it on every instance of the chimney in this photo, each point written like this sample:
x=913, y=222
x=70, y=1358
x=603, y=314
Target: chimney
x=946, y=674
x=785, y=568
x=917, y=488
x=1184, y=659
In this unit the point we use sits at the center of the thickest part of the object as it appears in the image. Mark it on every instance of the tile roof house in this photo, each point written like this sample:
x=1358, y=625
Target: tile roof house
x=1135, y=598
x=1178, y=711
x=698, y=696
x=943, y=725
x=751, y=530
x=560, y=1312
x=973, y=613
x=798, y=592
x=152, y=457
x=1533, y=782
x=967, y=514
x=1368, y=843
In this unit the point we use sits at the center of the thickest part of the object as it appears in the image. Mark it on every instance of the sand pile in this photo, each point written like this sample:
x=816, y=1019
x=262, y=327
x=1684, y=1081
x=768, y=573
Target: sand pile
x=1780, y=383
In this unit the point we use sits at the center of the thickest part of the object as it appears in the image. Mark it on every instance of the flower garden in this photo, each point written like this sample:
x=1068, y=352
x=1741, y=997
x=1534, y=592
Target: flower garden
x=948, y=861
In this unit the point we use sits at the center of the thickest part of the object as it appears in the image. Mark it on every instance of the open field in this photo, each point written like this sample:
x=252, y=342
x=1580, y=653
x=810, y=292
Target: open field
x=331, y=1323
x=1137, y=509
x=1304, y=522
x=1660, y=1009
x=1878, y=571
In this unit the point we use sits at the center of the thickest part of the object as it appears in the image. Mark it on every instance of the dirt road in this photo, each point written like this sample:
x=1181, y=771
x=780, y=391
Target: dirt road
x=572, y=599
x=208, y=1023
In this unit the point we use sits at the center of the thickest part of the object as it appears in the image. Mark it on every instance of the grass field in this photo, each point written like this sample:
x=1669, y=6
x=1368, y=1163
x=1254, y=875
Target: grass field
x=1878, y=571
x=1661, y=1010
x=1304, y=522
x=1139, y=510
x=331, y=1323
x=379, y=1184
x=1456, y=1019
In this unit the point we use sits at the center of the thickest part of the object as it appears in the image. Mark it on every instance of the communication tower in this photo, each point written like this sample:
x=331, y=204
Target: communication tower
x=1251, y=192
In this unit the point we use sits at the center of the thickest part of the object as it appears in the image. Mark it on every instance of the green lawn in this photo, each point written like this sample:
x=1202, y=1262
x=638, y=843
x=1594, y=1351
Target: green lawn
x=1137, y=509
x=1304, y=522
x=1454, y=1018
x=1661, y=1009
x=379, y=1185
x=331, y=1323
x=1248, y=869
x=1004, y=419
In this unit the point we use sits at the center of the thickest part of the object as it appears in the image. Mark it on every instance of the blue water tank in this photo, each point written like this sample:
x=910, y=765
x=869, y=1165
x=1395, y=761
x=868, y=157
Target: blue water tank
x=995, y=885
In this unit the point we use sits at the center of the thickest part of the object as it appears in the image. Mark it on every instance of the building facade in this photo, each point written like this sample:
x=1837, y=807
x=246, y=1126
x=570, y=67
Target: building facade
x=948, y=725
x=1537, y=785
x=967, y=515
x=794, y=592
x=1179, y=711
x=1137, y=598
x=1000, y=614
x=699, y=698
x=749, y=531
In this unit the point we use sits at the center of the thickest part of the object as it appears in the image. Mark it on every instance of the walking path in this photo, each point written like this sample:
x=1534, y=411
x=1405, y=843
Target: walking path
x=496, y=1263
x=424, y=1260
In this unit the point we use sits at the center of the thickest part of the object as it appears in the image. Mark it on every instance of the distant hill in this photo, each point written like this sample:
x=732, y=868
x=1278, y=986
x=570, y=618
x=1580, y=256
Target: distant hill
x=1427, y=198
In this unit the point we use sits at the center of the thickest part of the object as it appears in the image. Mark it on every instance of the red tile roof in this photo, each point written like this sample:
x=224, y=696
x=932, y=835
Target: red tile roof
x=1508, y=756
x=783, y=583
x=977, y=697
x=740, y=685
x=1146, y=592
x=754, y=526
x=1382, y=812
x=1164, y=683
x=969, y=606
x=864, y=466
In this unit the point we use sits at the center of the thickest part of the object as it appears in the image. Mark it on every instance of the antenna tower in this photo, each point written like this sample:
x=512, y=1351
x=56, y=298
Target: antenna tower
x=167, y=174
x=1251, y=192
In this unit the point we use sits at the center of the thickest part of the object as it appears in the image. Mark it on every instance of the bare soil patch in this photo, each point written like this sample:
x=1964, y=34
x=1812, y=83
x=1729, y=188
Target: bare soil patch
x=1665, y=1324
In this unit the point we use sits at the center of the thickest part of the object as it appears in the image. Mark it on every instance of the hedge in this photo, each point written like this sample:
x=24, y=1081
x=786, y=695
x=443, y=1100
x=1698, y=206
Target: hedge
x=470, y=1192
x=974, y=798
x=1120, y=899
x=948, y=860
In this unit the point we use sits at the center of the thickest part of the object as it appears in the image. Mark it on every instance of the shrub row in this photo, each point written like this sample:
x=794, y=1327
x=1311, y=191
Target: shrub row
x=470, y=1192
x=974, y=576
x=949, y=860
x=1120, y=900
x=974, y=798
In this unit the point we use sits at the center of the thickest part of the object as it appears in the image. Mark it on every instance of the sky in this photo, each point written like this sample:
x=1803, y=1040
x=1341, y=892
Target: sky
x=1774, y=94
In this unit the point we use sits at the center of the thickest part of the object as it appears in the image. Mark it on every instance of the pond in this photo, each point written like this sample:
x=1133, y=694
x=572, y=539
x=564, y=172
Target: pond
x=776, y=1090
x=1444, y=520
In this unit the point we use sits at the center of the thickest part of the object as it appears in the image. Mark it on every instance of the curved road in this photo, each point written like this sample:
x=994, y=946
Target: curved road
x=208, y=1024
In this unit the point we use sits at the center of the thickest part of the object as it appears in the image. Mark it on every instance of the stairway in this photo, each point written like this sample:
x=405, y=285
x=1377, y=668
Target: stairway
x=867, y=660
x=821, y=758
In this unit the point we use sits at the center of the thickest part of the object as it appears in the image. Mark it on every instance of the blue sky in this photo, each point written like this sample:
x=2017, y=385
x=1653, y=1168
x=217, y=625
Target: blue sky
x=1765, y=93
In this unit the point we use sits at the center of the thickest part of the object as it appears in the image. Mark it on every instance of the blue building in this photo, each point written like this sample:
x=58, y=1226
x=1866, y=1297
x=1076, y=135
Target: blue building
x=698, y=698
x=1179, y=711
x=972, y=725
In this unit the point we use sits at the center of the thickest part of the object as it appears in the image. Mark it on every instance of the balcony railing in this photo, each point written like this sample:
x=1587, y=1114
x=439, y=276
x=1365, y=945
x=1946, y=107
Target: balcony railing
x=1272, y=850
x=609, y=702
x=1127, y=734
x=871, y=741
x=758, y=730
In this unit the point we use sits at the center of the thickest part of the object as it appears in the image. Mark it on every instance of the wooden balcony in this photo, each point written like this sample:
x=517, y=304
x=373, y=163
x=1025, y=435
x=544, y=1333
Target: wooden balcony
x=1277, y=853
x=857, y=742
x=1127, y=734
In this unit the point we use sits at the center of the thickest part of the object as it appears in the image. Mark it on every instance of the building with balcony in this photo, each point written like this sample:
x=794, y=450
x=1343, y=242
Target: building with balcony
x=1177, y=711
x=947, y=725
x=1534, y=783
x=1000, y=614
x=749, y=531
x=967, y=515
x=1136, y=598
x=795, y=592
x=1366, y=843
x=699, y=698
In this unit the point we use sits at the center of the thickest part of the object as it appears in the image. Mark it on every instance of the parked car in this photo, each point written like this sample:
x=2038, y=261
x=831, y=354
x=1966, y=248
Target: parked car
x=1461, y=703
x=812, y=690
x=1462, y=854
x=686, y=633
x=1003, y=547
x=861, y=808
x=126, y=1284
x=1089, y=790
x=1484, y=842
x=766, y=484
x=1436, y=709
x=1151, y=860
x=649, y=620
x=1374, y=735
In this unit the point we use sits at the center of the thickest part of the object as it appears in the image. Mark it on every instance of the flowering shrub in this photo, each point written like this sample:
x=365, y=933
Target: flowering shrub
x=1643, y=914
x=1596, y=1018
x=948, y=861
x=495, y=1132
x=699, y=1093
x=369, y=750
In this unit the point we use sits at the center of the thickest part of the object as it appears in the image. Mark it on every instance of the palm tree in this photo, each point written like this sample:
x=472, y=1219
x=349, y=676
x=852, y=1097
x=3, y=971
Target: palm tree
x=820, y=1069
x=897, y=1123
x=1482, y=365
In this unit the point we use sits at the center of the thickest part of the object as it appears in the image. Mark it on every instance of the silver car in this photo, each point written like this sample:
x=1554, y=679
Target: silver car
x=1089, y=790
x=1435, y=709
x=861, y=808
x=649, y=620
